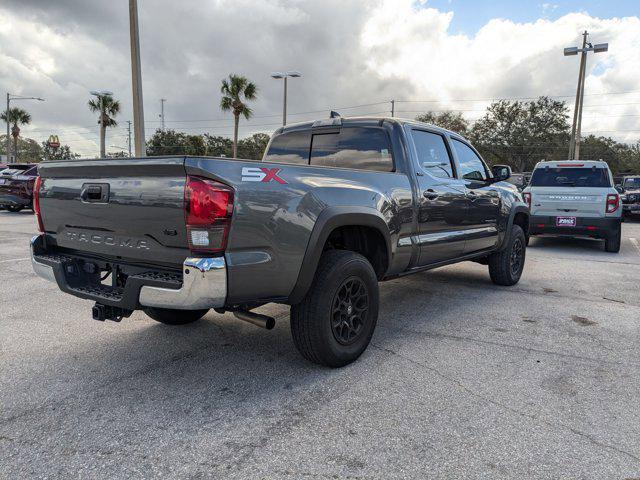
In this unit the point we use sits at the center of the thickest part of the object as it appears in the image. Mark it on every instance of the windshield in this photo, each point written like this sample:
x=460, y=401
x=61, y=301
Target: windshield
x=570, y=177
x=632, y=183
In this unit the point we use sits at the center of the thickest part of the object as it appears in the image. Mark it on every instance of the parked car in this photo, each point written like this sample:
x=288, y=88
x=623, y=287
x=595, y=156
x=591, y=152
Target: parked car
x=16, y=186
x=629, y=190
x=575, y=198
x=334, y=207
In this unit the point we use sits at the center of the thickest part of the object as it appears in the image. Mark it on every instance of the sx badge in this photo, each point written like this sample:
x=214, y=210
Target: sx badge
x=261, y=174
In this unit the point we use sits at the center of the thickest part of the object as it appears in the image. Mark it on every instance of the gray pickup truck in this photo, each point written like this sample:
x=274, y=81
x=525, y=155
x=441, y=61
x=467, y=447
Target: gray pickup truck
x=334, y=207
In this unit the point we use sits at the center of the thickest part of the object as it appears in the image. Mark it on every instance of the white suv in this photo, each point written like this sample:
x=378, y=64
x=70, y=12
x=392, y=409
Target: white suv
x=575, y=198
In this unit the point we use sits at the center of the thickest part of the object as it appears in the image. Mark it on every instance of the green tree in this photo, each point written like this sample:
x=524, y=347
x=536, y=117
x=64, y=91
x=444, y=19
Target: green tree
x=107, y=108
x=236, y=90
x=253, y=147
x=520, y=134
x=16, y=116
x=63, y=152
x=218, y=146
x=449, y=120
x=30, y=150
x=170, y=142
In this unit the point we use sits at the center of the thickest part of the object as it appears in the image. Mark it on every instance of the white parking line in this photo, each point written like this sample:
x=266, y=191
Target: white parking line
x=15, y=260
x=635, y=244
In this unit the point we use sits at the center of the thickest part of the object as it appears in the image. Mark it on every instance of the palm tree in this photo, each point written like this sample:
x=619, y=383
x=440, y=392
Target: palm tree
x=233, y=90
x=108, y=108
x=17, y=116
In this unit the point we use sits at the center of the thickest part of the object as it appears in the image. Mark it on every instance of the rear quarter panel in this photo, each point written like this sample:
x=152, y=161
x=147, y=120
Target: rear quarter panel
x=272, y=222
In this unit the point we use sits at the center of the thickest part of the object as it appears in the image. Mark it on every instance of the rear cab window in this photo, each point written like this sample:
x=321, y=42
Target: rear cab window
x=290, y=147
x=361, y=148
x=571, y=177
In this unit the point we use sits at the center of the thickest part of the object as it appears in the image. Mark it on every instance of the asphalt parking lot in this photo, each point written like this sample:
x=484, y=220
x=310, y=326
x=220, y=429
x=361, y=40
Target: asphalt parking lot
x=463, y=379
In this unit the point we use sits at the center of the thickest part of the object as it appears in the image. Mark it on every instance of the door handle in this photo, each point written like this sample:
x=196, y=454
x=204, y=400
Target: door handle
x=430, y=194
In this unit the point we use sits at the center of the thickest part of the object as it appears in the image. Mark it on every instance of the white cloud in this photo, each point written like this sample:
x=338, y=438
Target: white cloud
x=350, y=52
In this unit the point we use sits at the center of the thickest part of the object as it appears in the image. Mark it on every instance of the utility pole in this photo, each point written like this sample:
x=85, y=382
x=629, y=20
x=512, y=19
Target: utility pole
x=129, y=136
x=576, y=128
x=136, y=80
x=393, y=108
x=162, y=100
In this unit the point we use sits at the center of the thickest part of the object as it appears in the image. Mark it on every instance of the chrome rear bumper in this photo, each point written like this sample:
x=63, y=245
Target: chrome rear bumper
x=204, y=282
x=204, y=285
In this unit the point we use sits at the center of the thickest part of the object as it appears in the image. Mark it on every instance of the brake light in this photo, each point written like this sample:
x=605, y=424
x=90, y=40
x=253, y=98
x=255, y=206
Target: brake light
x=208, y=207
x=37, y=184
x=613, y=202
x=527, y=198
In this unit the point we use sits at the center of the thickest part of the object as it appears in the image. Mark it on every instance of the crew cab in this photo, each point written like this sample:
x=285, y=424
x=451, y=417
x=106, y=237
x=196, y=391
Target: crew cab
x=16, y=186
x=575, y=198
x=334, y=207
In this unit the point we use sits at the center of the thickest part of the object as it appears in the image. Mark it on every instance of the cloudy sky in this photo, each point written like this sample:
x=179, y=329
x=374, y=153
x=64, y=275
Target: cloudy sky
x=355, y=56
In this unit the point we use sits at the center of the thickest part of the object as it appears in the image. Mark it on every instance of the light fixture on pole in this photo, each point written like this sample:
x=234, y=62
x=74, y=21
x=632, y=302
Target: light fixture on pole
x=9, y=98
x=576, y=128
x=285, y=75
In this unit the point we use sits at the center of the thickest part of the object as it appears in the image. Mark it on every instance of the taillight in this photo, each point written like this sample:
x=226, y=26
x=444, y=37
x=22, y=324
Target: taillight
x=37, y=184
x=613, y=202
x=527, y=198
x=208, y=207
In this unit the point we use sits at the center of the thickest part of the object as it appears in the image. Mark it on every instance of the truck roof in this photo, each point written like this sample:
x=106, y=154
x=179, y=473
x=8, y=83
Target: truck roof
x=572, y=164
x=362, y=121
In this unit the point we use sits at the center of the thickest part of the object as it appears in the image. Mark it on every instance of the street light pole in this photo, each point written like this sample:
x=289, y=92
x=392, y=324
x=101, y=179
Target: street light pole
x=136, y=80
x=9, y=98
x=576, y=128
x=285, y=75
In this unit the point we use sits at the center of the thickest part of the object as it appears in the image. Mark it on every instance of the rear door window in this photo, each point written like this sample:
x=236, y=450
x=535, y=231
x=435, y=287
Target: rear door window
x=290, y=147
x=570, y=177
x=363, y=148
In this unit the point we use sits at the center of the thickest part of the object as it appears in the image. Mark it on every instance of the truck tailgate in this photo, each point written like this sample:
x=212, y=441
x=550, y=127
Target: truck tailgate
x=122, y=209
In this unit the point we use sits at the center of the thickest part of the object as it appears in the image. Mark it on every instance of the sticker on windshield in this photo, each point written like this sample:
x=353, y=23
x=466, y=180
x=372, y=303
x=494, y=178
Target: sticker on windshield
x=262, y=174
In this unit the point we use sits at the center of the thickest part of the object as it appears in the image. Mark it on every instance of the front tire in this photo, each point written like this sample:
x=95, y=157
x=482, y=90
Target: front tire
x=506, y=266
x=613, y=241
x=174, y=317
x=335, y=321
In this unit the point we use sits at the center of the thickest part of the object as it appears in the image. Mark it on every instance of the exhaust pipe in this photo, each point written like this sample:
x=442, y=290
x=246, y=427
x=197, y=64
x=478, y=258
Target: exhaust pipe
x=257, y=319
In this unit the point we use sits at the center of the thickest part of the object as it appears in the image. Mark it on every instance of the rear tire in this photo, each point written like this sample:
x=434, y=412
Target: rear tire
x=612, y=242
x=174, y=317
x=335, y=321
x=14, y=209
x=505, y=267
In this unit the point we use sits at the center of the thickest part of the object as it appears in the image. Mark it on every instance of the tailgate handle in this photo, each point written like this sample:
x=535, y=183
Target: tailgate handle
x=95, y=193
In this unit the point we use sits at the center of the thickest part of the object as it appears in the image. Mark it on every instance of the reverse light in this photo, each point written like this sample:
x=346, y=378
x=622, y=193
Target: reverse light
x=36, y=202
x=613, y=203
x=208, y=207
x=527, y=198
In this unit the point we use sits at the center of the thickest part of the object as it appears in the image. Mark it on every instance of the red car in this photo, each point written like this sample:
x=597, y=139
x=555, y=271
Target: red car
x=16, y=186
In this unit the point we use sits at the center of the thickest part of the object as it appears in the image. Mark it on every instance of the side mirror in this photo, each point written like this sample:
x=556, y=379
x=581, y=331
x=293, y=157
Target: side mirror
x=619, y=188
x=501, y=172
